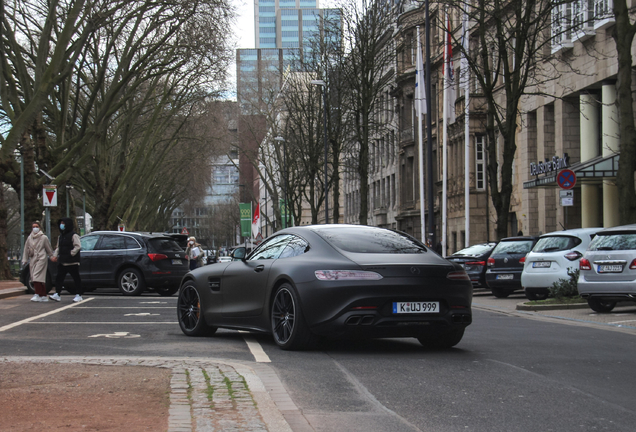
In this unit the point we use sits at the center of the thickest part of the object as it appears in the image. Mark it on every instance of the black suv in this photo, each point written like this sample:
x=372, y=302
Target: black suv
x=505, y=265
x=130, y=261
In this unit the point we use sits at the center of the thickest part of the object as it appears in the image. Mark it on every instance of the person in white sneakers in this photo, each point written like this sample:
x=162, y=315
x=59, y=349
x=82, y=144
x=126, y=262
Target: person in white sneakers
x=67, y=256
x=37, y=249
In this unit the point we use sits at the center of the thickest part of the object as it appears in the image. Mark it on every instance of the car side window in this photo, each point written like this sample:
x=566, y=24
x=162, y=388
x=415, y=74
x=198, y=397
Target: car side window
x=110, y=242
x=295, y=247
x=272, y=249
x=131, y=243
x=89, y=242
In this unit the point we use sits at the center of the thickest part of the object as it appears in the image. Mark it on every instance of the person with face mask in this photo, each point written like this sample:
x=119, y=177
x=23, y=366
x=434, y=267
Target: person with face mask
x=194, y=252
x=37, y=250
x=67, y=256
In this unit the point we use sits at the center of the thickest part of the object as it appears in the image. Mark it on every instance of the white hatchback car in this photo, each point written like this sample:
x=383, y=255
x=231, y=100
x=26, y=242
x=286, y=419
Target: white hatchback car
x=551, y=258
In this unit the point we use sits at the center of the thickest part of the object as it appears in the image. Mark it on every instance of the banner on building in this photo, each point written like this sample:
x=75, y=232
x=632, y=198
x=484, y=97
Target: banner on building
x=256, y=221
x=246, y=219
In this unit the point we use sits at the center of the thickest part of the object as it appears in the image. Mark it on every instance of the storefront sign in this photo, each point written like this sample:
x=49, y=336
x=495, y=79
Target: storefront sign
x=549, y=166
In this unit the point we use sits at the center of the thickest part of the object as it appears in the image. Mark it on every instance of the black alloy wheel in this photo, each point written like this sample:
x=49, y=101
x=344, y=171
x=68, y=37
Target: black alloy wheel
x=166, y=292
x=189, y=312
x=131, y=282
x=288, y=325
x=600, y=305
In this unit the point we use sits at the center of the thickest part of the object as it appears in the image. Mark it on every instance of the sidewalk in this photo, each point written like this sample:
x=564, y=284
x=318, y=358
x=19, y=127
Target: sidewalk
x=11, y=288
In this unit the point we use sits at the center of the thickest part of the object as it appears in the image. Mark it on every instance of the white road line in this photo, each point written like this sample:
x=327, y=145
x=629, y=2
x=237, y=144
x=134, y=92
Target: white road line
x=100, y=323
x=255, y=348
x=24, y=321
x=128, y=307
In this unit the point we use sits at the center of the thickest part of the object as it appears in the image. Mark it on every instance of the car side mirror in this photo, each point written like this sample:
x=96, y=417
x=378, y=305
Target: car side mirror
x=239, y=254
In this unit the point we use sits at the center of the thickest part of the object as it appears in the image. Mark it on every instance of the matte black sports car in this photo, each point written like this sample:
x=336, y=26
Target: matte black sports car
x=337, y=281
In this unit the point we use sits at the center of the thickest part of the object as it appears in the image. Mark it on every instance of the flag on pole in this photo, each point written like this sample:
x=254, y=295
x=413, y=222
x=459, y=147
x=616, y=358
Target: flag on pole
x=449, y=71
x=464, y=79
x=256, y=222
x=420, y=86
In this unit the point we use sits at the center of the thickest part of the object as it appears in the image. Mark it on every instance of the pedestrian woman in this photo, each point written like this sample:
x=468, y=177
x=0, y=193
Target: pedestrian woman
x=67, y=256
x=194, y=252
x=37, y=248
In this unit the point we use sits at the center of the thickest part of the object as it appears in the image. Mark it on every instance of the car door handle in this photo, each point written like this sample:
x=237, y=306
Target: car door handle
x=259, y=268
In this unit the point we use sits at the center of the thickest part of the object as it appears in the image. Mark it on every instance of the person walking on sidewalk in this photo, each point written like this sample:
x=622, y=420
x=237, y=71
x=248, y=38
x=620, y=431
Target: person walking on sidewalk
x=37, y=249
x=194, y=252
x=67, y=256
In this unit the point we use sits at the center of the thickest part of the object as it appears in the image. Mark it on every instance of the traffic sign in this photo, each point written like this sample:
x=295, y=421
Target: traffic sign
x=49, y=196
x=566, y=194
x=121, y=227
x=185, y=231
x=566, y=179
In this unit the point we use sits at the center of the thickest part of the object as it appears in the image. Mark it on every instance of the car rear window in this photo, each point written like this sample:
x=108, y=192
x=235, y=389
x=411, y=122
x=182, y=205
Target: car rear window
x=613, y=242
x=163, y=245
x=474, y=250
x=556, y=243
x=371, y=240
x=513, y=247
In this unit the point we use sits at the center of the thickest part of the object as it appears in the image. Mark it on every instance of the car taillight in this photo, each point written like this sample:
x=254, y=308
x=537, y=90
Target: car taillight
x=584, y=264
x=491, y=262
x=522, y=260
x=573, y=256
x=157, y=257
x=458, y=275
x=477, y=263
x=633, y=265
x=327, y=275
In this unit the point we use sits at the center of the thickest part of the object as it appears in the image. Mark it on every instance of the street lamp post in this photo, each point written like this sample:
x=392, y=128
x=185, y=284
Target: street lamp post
x=281, y=139
x=324, y=109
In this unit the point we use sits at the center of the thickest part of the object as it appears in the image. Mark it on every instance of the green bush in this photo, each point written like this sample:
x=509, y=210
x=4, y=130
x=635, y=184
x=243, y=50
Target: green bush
x=566, y=287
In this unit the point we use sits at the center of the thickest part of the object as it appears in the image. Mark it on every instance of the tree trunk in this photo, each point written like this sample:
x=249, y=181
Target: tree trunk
x=363, y=170
x=5, y=270
x=623, y=35
x=335, y=177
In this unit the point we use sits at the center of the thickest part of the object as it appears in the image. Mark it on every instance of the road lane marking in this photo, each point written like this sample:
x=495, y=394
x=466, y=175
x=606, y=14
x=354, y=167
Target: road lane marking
x=255, y=348
x=104, y=322
x=24, y=321
x=127, y=307
x=117, y=335
x=142, y=314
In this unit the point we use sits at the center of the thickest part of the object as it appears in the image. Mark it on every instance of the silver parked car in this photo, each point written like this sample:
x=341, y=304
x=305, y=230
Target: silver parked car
x=550, y=259
x=608, y=268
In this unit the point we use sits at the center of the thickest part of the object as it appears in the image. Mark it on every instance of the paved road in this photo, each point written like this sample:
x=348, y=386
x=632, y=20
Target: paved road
x=514, y=371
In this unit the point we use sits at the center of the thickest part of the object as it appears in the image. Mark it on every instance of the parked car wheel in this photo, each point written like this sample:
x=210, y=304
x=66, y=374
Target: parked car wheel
x=166, y=292
x=26, y=280
x=189, y=313
x=288, y=325
x=500, y=293
x=601, y=306
x=131, y=282
x=443, y=341
x=536, y=296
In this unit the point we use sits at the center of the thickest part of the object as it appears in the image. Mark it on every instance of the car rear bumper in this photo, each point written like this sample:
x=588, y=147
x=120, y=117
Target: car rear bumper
x=512, y=284
x=625, y=289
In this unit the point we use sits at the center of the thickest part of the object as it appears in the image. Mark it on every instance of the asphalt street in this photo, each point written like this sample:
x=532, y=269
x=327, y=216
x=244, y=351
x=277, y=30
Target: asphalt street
x=513, y=371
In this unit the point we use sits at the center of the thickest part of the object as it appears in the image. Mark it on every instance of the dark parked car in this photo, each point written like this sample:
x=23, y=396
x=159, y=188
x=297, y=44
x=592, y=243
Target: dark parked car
x=473, y=259
x=339, y=281
x=130, y=261
x=505, y=265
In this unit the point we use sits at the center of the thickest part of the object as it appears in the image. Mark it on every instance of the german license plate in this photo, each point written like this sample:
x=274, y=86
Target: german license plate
x=177, y=262
x=541, y=264
x=415, y=307
x=505, y=277
x=610, y=268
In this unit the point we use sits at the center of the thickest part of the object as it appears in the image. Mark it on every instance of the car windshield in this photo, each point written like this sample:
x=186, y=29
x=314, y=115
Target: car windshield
x=474, y=250
x=163, y=245
x=513, y=247
x=371, y=240
x=613, y=242
x=556, y=243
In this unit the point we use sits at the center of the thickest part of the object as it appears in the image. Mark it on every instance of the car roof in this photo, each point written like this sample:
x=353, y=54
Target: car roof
x=519, y=238
x=137, y=233
x=618, y=229
x=578, y=232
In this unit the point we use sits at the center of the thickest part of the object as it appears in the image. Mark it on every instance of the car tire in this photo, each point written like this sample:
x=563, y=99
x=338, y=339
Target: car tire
x=442, y=341
x=131, y=282
x=166, y=292
x=189, y=312
x=600, y=305
x=500, y=293
x=288, y=324
x=27, y=281
x=536, y=296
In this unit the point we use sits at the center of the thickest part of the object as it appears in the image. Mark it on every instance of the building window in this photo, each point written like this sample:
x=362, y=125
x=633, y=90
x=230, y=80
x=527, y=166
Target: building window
x=480, y=162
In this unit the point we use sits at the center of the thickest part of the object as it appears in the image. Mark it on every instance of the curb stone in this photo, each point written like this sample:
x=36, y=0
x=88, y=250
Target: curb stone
x=239, y=400
x=537, y=308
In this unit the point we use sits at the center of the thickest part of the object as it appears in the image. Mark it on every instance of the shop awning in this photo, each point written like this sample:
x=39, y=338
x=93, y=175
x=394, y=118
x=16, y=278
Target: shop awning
x=592, y=171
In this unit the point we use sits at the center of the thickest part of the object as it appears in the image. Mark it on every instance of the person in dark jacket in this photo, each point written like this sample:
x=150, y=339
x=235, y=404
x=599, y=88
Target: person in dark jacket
x=67, y=256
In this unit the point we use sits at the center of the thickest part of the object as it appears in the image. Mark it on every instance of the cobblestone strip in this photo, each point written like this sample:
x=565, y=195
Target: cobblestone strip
x=180, y=418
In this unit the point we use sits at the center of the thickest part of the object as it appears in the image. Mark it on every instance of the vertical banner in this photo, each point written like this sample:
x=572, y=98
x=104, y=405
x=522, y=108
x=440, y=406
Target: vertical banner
x=246, y=219
x=256, y=222
x=284, y=213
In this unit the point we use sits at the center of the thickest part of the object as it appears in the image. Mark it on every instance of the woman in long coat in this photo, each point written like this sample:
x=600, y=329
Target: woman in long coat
x=37, y=248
